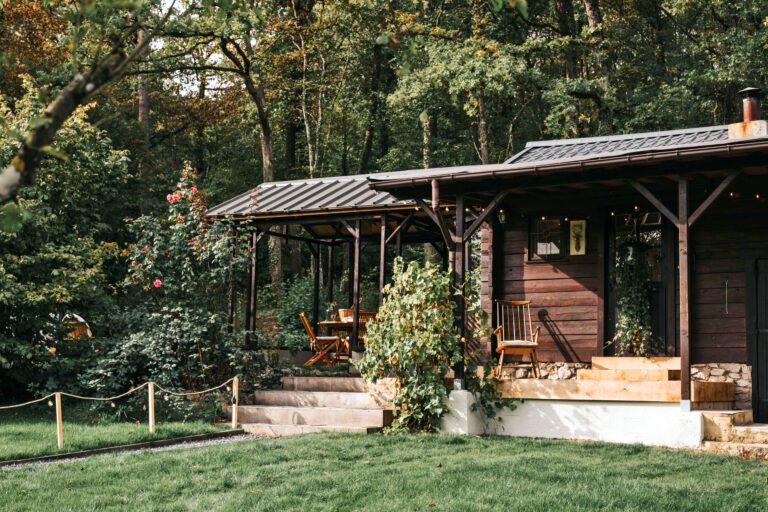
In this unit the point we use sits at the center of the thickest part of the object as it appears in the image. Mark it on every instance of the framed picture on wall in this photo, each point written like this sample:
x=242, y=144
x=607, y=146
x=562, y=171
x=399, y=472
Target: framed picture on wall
x=578, y=237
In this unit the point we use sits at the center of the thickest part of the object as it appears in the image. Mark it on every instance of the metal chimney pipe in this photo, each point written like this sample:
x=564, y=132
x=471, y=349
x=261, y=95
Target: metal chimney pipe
x=750, y=100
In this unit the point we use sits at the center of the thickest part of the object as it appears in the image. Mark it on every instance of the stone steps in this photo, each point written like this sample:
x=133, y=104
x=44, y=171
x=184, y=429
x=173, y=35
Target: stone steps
x=751, y=451
x=287, y=415
x=315, y=399
x=340, y=384
x=270, y=430
x=314, y=404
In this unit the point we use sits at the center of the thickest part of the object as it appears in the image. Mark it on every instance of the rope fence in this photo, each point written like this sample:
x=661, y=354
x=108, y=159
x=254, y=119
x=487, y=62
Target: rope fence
x=235, y=381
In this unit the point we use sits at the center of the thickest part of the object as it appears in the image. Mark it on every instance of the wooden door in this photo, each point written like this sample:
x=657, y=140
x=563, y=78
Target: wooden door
x=760, y=350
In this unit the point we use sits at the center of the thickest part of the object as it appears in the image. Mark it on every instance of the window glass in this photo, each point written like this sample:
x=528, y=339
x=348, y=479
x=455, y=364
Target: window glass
x=546, y=238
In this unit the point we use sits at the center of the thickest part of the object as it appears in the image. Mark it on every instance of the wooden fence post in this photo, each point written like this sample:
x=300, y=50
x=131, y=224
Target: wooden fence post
x=235, y=400
x=151, y=406
x=59, y=427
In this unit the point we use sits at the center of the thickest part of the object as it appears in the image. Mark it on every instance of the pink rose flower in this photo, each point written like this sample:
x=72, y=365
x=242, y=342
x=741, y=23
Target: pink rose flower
x=169, y=197
x=193, y=190
x=157, y=283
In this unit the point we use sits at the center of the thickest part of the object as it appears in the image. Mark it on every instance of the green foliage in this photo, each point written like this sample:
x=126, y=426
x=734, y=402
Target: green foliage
x=632, y=279
x=413, y=340
x=59, y=258
x=178, y=275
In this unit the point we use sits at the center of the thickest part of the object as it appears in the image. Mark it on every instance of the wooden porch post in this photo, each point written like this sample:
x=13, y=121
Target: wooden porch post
x=398, y=246
x=350, y=277
x=682, y=226
x=316, y=285
x=458, y=274
x=382, y=257
x=232, y=299
x=253, y=281
x=330, y=274
x=356, y=286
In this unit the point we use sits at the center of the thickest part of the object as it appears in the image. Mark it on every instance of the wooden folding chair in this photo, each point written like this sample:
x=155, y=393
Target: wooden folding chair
x=328, y=349
x=515, y=335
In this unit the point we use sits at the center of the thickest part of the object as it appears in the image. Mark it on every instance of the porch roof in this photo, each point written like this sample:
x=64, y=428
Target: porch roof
x=329, y=195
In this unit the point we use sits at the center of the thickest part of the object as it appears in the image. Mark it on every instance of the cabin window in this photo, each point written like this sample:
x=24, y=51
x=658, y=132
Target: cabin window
x=547, y=236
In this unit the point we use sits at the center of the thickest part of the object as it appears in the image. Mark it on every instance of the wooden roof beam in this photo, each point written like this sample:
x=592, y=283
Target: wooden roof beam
x=712, y=197
x=654, y=201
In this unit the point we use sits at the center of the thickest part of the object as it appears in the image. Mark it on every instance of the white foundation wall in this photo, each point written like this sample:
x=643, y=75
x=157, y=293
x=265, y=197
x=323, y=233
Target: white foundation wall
x=648, y=423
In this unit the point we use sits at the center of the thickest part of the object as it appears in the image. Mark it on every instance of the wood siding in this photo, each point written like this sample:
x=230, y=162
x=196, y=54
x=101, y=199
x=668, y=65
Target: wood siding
x=564, y=294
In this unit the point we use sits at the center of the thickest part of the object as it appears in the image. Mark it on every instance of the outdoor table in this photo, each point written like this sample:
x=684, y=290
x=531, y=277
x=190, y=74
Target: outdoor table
x=342, y=326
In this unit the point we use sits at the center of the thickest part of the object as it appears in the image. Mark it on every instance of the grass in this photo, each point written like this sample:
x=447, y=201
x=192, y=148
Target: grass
x=340, y=472
x=32, y=434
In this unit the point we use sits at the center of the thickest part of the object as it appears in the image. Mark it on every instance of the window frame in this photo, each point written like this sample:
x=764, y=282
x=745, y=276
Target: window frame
x=533, y=256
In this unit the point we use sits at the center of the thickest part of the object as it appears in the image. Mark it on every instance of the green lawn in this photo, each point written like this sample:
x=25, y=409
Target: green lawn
x=400, y=473
x=31, y=434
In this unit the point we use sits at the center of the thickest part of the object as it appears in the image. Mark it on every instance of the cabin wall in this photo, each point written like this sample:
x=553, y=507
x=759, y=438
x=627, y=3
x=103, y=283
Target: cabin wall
x=565, y=295
x=719, y=308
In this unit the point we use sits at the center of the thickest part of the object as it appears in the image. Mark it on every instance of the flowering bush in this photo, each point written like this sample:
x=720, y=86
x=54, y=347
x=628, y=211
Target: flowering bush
x=179, y=270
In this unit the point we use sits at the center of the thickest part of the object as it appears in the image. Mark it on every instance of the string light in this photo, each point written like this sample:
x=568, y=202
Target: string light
x=757, y=196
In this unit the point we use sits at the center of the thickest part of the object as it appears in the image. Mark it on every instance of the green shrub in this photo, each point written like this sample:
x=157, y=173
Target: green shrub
x=413, y=340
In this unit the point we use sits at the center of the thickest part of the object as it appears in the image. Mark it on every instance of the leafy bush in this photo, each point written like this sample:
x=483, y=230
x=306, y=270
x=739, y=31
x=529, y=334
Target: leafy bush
x=413, y=340
x=179, y=270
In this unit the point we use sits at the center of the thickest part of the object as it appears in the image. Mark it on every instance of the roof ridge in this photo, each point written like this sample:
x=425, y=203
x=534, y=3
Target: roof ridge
x=624, y=136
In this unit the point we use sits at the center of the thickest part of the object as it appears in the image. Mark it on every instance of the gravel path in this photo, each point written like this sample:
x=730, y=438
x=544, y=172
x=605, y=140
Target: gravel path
x=180, y=446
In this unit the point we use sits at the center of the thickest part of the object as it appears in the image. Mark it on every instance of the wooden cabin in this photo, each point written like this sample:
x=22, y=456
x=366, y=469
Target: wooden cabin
x=552, y=219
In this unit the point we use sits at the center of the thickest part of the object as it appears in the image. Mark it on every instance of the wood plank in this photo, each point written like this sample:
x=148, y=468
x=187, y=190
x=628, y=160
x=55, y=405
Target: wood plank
x=651, y=391
x=654, y=374
x=635, y=363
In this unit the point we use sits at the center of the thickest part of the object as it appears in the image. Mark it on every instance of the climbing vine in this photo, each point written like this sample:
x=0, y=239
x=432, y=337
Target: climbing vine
x=632, y=276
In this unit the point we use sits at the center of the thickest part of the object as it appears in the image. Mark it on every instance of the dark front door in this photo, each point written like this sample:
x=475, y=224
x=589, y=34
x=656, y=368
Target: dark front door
x=760, y=349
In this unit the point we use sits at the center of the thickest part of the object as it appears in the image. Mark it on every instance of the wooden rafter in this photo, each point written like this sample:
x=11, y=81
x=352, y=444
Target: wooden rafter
x=655, y=201
x=711, y=198
x=400, y=227
x=492, y=206
x=438, y=219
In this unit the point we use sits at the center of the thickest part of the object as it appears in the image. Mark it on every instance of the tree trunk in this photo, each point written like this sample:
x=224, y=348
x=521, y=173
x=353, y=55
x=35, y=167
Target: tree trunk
x=373, y=112
x=482, y=124
x=144, y=99
x=592, y=10
x=426, y=139
x=566, y=26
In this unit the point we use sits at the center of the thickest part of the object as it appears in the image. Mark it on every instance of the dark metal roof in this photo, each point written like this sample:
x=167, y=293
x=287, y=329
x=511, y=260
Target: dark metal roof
x=589, y=153
x=591, y=146
x=319, y=195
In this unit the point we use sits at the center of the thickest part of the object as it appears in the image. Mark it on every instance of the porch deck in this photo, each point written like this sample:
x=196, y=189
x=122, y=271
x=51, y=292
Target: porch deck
x=624, y=379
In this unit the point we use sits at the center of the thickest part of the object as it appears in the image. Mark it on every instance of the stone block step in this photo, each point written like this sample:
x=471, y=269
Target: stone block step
x=270, y=430
x=751, y=451
x=754, y=433
x=718, y=425
x=315, y=399
x=635, y=363
x=652, y=374
x=280, y=415
x=343, y=384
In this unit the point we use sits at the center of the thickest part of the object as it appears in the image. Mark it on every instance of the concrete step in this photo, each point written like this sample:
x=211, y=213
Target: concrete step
x=270, y=430
x=636, y=363
x=315, y=399
x=652, y=374
x=719, y=425
x=342, y=384
x=751, y=451
x=754, y=433
x=280, y=415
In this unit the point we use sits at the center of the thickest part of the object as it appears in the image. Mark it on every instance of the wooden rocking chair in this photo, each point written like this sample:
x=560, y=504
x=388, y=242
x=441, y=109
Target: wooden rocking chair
x=515, y=335
x=328, y=349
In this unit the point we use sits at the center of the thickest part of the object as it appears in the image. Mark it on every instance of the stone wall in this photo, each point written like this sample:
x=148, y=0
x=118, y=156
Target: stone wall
x=550, y=371
x=741, y=374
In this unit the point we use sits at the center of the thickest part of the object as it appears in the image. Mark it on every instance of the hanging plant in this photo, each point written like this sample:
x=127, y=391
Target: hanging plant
x=632, y=276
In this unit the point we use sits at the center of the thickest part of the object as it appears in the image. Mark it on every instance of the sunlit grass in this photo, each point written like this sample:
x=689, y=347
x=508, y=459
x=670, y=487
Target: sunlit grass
x=398, y=473
x=32, y=434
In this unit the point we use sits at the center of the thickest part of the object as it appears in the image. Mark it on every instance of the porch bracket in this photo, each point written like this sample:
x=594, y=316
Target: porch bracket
x=400, y=227
x=712, y=197
x=655, y=201
x=355, y=232
x=492, y=206
x=439, y=220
